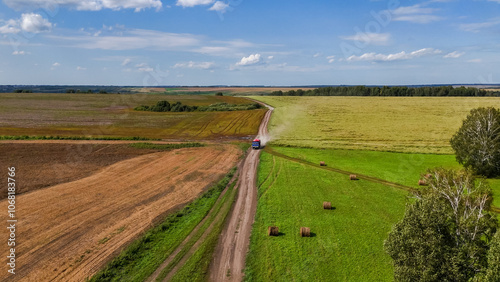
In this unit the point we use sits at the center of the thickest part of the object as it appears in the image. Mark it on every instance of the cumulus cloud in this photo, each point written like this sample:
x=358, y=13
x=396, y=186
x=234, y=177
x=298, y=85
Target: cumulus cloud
x=194, y=65
x=56, y=64
x=219, y=6
x=192, y=3
x=34, y=23
x=331, y=59
x=126, y=61
x=369, y=38
x=397, y=56
x=80, y=68
x=250, y=60
x=454, y=55
x=29, y=22
x=84, y=5
x=19, y=53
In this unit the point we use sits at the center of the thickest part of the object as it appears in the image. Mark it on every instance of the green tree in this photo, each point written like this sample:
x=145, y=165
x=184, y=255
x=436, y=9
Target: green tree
x=477, y=142
x=445, y=234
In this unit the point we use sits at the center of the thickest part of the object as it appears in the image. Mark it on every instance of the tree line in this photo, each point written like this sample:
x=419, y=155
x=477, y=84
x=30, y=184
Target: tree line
x=165, y=106
x=396, y=91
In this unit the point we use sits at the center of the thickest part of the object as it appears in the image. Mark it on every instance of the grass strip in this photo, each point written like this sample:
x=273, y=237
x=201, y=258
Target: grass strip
x=196, y=266
x=139, y=260
x=165, y=146
x=34, y=137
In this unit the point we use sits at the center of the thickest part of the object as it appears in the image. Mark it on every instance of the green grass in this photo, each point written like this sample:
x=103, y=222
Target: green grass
x=196, y=267
x=112, y=115
x=165, y=146
x=143, y=256
x=43, y=137
x=402, y=124
x=401, y=168
x=346, y=242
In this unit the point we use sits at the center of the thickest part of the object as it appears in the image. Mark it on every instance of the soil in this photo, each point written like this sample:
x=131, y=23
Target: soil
x=69, y=231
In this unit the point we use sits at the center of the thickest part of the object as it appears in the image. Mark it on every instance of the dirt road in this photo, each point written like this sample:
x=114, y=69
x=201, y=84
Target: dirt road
x=229, y=258
x=67, y=232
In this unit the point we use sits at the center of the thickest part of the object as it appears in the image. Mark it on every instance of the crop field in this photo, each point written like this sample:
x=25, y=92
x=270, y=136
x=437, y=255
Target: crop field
x=112, y=115
x=72, y=229
x=346, y=242
x=43, y=164
x=402, y=124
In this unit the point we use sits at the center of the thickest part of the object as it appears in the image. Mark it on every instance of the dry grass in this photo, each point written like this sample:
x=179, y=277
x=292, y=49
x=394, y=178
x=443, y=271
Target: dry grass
x=113, y=115
x=402, y=124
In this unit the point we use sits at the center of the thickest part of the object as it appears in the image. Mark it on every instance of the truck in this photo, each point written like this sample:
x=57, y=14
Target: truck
x=256, y=144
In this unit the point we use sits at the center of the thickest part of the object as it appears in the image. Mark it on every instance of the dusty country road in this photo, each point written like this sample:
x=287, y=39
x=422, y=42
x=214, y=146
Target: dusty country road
x=229, y=258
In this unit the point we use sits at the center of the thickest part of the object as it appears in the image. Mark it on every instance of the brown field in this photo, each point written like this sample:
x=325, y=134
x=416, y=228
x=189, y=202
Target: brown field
x=113, y=115
x=67, y=232
x=41, y=164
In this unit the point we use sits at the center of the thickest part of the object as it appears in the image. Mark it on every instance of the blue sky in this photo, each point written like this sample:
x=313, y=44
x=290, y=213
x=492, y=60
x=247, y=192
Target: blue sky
x=249, y=42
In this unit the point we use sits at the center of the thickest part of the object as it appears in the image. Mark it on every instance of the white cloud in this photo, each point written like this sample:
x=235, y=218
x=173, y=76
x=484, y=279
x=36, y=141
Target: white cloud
x=454, y=55
x=19, y=53
x=56, y=64
x=369, y=38
x=29, y=22
x=144, y=67
x=394, y=57
x=477, y=27
x=10, y=26
x=194, y=65
x=415, y=14
x=126, y=61
x=80, y=68
x=219, y=6
x=34, y=23
x=270, y=57
x=475, y=61
x=331, y=59
x=192, y=3
x=250, y=60
x=317, y=55
x=84, y=5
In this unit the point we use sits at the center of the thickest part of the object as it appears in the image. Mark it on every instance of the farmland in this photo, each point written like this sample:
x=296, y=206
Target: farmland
x=346, y=242
x=409, y=124
x=113, y=206
x=112, y=115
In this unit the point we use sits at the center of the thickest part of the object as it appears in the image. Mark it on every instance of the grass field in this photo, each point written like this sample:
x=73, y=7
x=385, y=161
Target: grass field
x=346, y=242
x=112, y=115
x=404, y=124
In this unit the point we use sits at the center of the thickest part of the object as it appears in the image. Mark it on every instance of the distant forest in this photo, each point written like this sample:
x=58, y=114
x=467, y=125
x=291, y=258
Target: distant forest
x=394, y=91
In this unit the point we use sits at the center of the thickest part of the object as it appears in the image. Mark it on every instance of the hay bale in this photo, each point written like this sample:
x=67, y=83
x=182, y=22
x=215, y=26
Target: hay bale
x=422, y=182
x=353, y=177
x=305, y=232
x=272, y=231
x=322, y=163
x=327, y=205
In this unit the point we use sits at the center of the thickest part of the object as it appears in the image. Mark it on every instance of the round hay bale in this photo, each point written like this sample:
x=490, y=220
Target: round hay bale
x=305, y=232
x=422, y=182
x=322, y=163
x=272, y=231
x=327, y=205
x=353, y=177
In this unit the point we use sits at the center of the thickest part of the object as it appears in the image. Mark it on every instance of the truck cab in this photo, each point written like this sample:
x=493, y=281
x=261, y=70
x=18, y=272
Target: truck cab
x=256, y=144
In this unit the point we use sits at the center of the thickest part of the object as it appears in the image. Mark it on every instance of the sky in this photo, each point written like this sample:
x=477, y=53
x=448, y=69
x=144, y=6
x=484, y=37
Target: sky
x=249, y=42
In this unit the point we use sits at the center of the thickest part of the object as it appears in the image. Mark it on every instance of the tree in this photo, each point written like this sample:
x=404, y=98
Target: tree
x=445, y=234
x=477, y=142
x=493, y=271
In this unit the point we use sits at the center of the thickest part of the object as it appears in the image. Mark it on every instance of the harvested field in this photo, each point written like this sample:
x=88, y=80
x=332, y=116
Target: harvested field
x=112, y=115
x=43, y=164
x=69, y=231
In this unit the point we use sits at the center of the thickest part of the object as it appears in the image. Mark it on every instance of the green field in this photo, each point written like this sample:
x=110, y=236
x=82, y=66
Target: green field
x=346, y=242
x=403, y=124
x=112, y=115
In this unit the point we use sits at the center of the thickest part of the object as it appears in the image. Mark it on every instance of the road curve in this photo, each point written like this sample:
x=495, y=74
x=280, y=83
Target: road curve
x=229, y=256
